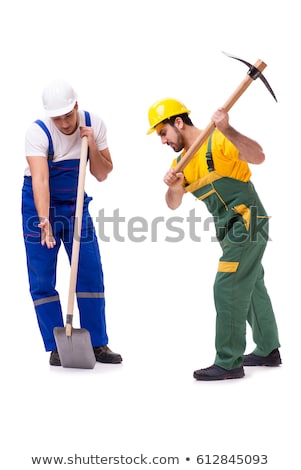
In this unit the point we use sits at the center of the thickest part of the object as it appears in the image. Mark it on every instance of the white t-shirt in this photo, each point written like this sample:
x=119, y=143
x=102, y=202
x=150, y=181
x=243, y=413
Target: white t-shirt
x=66, y=147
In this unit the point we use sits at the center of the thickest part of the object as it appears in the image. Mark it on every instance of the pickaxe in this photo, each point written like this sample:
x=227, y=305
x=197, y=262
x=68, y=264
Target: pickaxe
x=254, y=72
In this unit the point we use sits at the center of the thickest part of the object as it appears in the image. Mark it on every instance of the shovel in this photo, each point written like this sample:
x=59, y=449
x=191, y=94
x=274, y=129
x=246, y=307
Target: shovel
x=74, y=344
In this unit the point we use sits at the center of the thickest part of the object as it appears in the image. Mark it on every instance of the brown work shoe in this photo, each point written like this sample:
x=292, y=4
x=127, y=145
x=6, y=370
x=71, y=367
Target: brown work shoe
x=54, y=359
x=105, y=355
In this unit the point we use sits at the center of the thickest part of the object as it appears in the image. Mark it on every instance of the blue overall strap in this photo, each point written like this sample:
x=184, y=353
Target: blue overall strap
x=45, y=129
x=88, y=119
x=209, y=158
x=88, y=124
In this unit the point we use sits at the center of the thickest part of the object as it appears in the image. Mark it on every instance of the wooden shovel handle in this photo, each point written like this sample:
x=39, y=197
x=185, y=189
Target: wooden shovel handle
x=77, y=233
x=260, y=65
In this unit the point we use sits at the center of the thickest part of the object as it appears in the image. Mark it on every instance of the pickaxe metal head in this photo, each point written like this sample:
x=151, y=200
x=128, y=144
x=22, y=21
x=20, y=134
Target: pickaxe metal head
x=254, y=73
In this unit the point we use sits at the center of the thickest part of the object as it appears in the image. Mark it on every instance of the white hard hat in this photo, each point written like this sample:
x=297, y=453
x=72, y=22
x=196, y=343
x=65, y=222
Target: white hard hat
x=59, y=98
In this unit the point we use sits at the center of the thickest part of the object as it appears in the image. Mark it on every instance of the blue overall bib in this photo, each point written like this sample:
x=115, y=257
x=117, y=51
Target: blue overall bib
x=42, y=261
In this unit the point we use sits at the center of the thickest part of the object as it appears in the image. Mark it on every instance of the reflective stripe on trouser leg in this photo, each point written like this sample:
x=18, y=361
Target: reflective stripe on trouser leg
x=234, y=292
x=92, y=317
x=49, y=315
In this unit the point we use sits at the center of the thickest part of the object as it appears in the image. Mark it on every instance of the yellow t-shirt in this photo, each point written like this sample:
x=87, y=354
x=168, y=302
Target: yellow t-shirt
x=225, y=157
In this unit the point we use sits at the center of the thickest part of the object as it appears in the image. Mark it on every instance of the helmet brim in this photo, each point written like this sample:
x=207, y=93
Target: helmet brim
x=60, y=111
x=150, y=131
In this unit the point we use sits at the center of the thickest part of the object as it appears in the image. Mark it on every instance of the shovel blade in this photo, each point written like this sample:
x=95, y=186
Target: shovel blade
x=75, y=351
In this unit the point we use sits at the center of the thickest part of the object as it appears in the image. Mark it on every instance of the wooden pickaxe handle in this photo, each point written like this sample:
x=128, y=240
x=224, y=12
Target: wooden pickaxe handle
x=260, y=66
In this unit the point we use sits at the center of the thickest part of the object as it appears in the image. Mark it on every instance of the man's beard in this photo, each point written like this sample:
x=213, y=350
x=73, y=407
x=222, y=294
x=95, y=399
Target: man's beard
x=179, y=144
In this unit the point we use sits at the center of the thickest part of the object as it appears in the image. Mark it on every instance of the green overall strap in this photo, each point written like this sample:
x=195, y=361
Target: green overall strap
x=209, y=158
x=179, y=158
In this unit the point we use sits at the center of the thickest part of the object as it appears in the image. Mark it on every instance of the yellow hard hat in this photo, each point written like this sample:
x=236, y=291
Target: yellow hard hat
x=164, y=109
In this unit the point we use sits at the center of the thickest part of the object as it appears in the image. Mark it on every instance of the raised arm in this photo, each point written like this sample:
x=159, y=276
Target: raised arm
x=249, y=150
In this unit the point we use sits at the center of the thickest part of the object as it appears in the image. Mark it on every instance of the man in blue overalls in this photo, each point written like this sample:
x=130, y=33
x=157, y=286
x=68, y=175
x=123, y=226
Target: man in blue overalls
x=219, y=175
x=53, y=148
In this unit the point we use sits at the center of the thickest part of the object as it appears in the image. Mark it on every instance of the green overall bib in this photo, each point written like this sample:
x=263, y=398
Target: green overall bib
x=240, y=294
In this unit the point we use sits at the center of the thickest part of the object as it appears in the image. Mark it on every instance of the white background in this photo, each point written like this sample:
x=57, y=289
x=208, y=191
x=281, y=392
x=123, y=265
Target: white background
x=121, y=56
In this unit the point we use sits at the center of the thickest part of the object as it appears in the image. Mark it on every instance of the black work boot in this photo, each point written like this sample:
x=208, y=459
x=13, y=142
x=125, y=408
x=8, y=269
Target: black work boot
x=215, y=372
x=272, y=360
x=105, y=355
x=54, y=359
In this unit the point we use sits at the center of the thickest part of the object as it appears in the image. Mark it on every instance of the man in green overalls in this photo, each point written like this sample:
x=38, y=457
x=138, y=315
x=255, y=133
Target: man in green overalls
x=219, y=175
